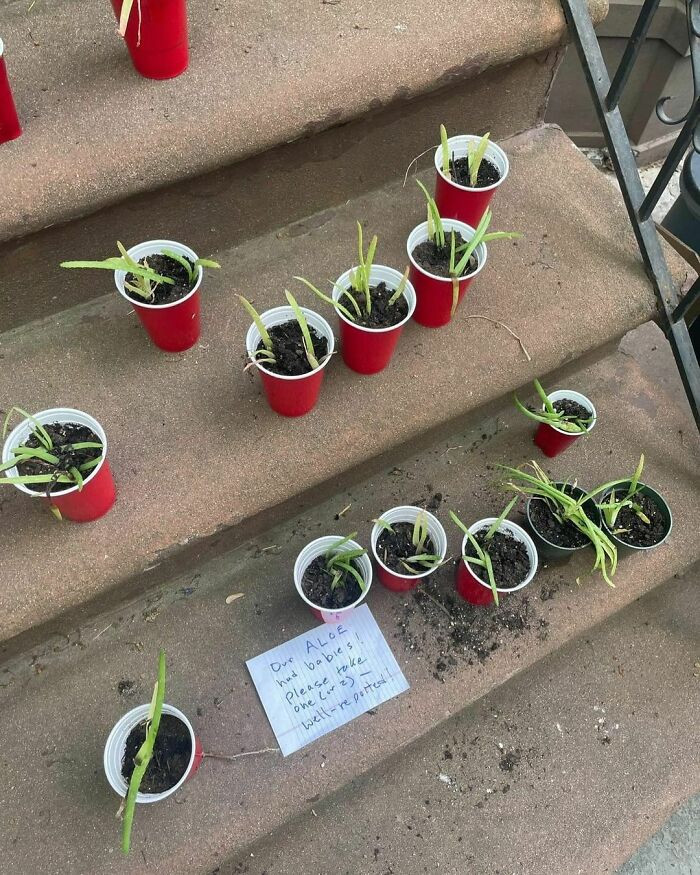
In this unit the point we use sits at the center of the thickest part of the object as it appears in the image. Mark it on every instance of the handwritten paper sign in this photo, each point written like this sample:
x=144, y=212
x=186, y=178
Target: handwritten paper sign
x=324, y=678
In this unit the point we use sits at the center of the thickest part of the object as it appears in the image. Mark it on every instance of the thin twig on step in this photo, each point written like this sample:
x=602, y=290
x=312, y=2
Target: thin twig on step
x=509, y=330
x=235, y=756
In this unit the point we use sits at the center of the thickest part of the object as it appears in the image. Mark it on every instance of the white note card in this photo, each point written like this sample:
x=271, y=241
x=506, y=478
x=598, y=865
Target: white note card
x=324, y=678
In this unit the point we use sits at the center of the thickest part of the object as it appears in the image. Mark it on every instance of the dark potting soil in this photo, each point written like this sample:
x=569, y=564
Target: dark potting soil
x=436, y=259
x=488, y=172
x=288, y=347
x=511, y=564
x=638, y=533
x=171, y=754
x=394, y=546
x=382, y=315
x=163, y=293
x=572, y=408
x=563, y=535
x=316, y=584
x=63, y=435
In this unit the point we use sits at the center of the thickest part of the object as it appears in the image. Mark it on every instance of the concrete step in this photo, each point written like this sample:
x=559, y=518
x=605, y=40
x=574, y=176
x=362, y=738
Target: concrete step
x=451, y=655
x=170, y=420
x=565, y=769
x=284, y=112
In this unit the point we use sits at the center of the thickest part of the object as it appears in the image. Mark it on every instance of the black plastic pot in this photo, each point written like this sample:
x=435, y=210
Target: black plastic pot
x=623, y=548
x=554, y=551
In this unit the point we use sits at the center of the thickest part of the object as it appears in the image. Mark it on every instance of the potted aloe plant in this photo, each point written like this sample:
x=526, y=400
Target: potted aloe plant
x=155, y=32
x=635, y=516
x=498, y=557
x=564, y=417
x=408, y=544
x=445, y=256
x=373, y=303
x=161, y=280
x=290, y=346
x=10, y=127
x=562, y=518
x=333, y=575
x=59, y=455
x=468, y=172
x=149, y=754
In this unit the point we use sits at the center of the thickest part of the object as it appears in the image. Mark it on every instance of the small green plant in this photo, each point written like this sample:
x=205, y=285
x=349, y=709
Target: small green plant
x=341, y=562
x=359, y=284
x=551, y=416
x=482, y=558
x=266, y=354
x=460, y=256
x=145, y=279
x=475, y=155
x=62, y=467
x=612, y=507
x=420, y=561
x=565, y=508
x=144, y=754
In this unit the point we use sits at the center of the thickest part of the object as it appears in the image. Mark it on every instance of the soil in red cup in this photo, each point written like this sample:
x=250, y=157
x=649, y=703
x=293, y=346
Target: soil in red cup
x=291, y=385
x=429, y=274
x=455, y=197
x=513, y=556
x=553, y=441
x=172, y=753
x=314, y=582
x=172, y=318
x=66, y=427
x=390, y=548
x=368, y=343
x=10, y=127
x=157, y=37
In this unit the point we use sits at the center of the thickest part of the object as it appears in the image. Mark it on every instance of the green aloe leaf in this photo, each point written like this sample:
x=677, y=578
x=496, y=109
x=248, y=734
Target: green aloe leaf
x=400, y=288
x=305, y=333
x=338, y=306
x=445, y=151
x=259, y=324
x=476, y=156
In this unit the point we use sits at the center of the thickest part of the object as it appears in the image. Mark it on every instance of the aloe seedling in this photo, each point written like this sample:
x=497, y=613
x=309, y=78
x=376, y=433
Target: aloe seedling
x=145, y=279
x=340, y=562
x=360, y=284
x=553, y=417
x=612, y=507
x=460, y=256
x=305, y=333
x=482, y=558
x=420, y=561
x=475, y=155
x=63, y=468
x=266, y=354
x=565, y=508
x=145, y=753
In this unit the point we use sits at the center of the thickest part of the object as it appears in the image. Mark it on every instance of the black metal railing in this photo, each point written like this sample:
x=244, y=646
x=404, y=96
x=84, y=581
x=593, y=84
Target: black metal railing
x=606, y=97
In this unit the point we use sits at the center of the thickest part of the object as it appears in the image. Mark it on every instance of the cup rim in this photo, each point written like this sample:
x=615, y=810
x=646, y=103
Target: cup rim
x=409, y=294
x=377, y=530
x=580, y=398
x=421, y=231
x=325, y=541
x=655, y=494
x=516, y=531
x=492, y=146
x=158, y=246
x=287, y=311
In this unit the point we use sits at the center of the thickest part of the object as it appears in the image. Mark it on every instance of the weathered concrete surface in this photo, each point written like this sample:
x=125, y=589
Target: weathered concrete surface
x=674, y=849
x=261, y=74
x=563, y=770
x=223, y=208
x=60, y=699
x=195, y=450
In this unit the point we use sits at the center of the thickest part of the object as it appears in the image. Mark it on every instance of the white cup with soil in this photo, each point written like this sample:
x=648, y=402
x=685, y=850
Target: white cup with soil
x=404, y=555
x=325, y=583
x=177, y=753
x=552, y=440
x=513, y=556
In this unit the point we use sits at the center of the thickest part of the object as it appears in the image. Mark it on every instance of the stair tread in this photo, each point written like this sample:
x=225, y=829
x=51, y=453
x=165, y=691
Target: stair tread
x=96, y=132
x=229, y=805
x=169, y=419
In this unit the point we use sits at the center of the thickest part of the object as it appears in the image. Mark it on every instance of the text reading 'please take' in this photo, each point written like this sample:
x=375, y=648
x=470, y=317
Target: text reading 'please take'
x=324, y=678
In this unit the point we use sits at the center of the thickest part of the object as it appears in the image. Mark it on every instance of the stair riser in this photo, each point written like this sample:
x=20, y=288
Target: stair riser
x=228, y=206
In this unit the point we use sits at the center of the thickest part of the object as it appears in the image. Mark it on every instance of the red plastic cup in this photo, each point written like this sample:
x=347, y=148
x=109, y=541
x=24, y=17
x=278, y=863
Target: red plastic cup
x=98, y=492
x=172, y=327
x=553, y=441
x=434, y=294
x=407, y=514
x=10, y=127
x=460, y=201
x=317, y=548
x=157, y=42
x=369, y=350
x=477, y=591
x=287, y=395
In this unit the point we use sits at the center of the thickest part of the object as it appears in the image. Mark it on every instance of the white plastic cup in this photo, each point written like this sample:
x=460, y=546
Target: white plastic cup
x=379, y=273
x=517, y=532
x=420, y=234
x=570, y=395
x=156, y=247
x=407, y=514
x=278, y=316
x=116, y=743
x=317, y=548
